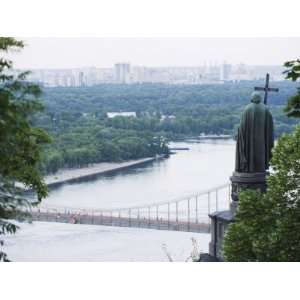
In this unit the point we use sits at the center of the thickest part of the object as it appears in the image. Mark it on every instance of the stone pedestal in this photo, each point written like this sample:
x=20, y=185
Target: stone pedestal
x=243, y=181
x=220, y=220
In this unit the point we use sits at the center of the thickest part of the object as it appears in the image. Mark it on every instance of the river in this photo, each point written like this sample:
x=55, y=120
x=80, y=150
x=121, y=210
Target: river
x=207, y=164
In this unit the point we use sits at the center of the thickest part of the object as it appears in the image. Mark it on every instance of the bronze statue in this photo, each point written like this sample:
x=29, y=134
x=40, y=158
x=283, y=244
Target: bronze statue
x=255, y=138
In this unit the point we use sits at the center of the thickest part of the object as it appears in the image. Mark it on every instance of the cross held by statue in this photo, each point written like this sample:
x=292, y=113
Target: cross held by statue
x=266, y=88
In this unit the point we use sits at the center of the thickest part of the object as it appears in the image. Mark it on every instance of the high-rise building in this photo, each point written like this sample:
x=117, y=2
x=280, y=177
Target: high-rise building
x=122, y=72
x=126, y=73
x=225, y=72
x=81, y=79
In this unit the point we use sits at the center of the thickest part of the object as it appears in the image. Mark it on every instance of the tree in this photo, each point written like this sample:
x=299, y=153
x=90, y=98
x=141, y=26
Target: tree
x=267, y=226
x=20, y=142
x=293, y=72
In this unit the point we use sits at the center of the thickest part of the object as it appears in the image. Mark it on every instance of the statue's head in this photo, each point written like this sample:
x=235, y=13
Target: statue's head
x=255, y=97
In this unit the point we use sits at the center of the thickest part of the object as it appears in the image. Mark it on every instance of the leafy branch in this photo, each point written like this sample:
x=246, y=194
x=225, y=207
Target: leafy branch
x=292, y=108
x=20, y=143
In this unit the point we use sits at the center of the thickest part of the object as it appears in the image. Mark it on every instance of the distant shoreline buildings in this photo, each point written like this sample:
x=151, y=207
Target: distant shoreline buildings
x=125, y=73
x=112, y=115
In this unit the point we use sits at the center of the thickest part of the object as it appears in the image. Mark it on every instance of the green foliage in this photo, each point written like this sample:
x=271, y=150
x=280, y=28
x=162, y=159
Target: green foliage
x=20, y=143
x=267, y=226
x=89, y=140
x=293, y=73
x=293, y=106
x=83, y=135
x=197, y=108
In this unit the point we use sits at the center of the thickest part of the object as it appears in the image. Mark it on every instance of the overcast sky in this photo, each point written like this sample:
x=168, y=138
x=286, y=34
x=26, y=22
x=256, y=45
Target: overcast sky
x=104, y=52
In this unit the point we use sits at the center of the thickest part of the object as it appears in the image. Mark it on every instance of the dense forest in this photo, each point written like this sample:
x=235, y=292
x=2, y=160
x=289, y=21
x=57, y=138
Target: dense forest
x=76, y=117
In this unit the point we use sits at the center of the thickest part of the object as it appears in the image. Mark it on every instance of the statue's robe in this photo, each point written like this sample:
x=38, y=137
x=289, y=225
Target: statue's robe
x=255, y=139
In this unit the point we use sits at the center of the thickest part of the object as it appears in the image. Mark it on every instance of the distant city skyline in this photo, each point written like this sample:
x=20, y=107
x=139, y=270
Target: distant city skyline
x=125, y=73
x=67, y=53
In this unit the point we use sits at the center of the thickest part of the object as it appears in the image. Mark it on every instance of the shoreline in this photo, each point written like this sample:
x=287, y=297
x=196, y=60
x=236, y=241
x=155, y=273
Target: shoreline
x=76, y=174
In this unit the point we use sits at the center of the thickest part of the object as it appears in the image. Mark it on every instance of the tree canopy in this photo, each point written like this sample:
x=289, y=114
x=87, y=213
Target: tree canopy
x=293, y=73
x=20, y=142
x=82, y=133
x=266, y=226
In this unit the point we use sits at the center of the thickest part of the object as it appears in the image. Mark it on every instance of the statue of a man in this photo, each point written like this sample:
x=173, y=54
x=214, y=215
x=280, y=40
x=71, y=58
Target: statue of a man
x=255, y=138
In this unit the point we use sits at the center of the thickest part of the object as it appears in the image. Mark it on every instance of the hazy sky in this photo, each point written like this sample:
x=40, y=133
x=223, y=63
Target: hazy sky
x=104, y=52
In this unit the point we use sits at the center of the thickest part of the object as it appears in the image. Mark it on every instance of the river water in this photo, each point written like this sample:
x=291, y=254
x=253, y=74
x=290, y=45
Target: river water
x=207, y=164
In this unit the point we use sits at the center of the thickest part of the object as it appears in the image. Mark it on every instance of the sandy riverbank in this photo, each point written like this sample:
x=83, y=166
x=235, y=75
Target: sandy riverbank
x=70, y=175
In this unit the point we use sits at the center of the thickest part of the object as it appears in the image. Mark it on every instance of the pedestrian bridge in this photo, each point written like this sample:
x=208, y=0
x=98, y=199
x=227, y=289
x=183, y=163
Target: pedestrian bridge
x=189, y=213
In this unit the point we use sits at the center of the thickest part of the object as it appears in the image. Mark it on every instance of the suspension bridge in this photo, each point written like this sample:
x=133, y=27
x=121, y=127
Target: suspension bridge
x=189, y=213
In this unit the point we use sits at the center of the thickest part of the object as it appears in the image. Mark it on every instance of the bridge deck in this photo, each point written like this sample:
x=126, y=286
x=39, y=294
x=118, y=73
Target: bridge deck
x=187, y=214
x=121, y=221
